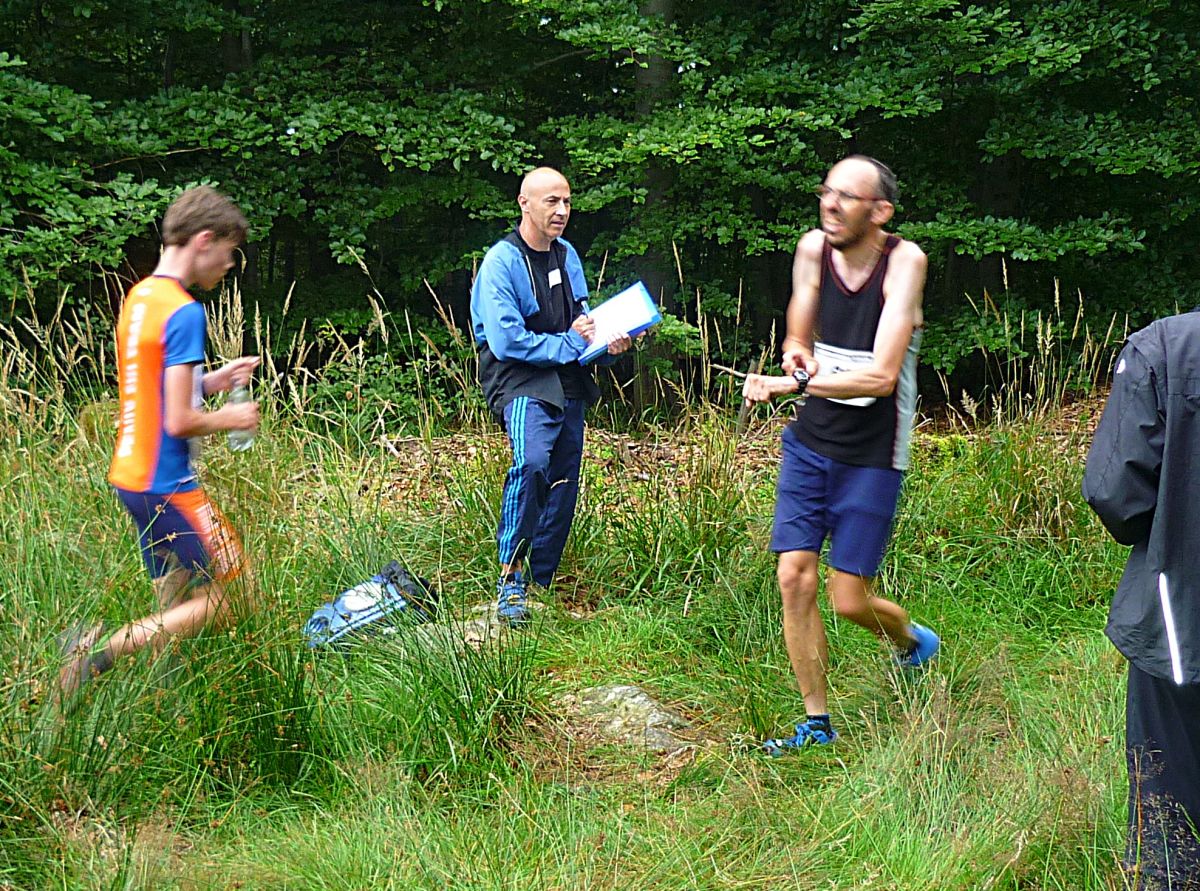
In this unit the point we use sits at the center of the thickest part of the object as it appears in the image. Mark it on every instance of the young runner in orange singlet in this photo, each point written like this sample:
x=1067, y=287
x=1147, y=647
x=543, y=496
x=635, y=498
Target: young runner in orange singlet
x=188, y=547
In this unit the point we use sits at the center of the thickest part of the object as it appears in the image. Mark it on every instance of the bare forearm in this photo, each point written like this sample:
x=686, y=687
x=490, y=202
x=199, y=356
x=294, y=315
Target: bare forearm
x=193, y=422
x=851, y=384
x=793, y=342
x=844, y=385
x=232, y=374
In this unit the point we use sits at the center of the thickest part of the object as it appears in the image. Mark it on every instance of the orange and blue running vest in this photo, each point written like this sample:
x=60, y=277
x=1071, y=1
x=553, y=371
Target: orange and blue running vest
x=160, y=325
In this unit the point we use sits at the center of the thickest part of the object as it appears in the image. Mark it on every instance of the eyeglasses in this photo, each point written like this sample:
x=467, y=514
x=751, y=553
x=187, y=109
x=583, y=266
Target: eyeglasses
x=822, y=192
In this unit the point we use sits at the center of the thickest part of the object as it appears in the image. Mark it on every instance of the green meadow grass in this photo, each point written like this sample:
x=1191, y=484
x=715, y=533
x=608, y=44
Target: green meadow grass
x=242, y=760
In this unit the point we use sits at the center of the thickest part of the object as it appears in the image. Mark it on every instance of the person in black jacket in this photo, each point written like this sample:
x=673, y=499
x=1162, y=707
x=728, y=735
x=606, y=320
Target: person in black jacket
x=1143, y=481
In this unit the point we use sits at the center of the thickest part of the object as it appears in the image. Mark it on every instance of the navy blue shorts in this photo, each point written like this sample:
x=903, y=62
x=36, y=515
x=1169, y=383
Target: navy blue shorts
x=185, y=527
x=818, y=497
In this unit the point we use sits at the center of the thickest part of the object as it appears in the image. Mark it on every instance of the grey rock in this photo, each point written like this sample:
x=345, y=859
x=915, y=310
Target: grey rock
x=627, y=713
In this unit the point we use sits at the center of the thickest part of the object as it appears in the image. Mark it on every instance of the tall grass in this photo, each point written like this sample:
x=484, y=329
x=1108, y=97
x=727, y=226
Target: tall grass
x=249, y=711
x=1036, y=362
x=413, y=761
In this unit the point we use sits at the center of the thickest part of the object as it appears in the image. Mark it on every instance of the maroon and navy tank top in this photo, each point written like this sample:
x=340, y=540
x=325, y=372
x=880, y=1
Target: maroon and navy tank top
x=866, y=431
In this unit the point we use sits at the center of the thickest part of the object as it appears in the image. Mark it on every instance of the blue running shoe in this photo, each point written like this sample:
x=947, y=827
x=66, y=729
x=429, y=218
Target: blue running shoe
x=807, y=734
x=512, y=606
x=927, y=647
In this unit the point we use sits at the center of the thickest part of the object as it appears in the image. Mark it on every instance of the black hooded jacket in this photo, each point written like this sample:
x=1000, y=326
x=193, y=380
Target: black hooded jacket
x=1143, y=481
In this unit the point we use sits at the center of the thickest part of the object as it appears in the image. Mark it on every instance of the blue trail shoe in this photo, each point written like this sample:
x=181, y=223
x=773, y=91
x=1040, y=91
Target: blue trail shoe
x=807, y=734
x=512, y=603
x=927, y=647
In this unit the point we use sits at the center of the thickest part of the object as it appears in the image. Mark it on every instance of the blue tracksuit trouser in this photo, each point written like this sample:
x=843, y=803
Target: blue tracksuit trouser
x=542, y=485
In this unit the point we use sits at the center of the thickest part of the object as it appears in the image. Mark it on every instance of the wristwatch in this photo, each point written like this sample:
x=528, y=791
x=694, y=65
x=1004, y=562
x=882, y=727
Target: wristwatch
x=801, y=377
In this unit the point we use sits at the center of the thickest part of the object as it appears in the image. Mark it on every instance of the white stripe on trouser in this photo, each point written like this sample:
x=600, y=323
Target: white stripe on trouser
x=510, y=508
x=1169, y=620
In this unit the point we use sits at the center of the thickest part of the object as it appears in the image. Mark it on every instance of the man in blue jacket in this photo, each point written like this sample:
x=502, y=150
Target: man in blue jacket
x=529, y=315
x=1143, y=482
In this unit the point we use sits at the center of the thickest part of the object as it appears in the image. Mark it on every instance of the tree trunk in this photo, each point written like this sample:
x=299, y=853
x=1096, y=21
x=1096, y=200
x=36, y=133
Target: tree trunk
x=653, y=88
x=251, y=273
x=996, y=191
x=236, y=47
x=169, y=54
x=657, y=266
x=768, y=283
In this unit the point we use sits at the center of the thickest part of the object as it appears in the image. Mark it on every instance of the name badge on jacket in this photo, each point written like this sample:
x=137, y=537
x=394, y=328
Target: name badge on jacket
x=555, y=277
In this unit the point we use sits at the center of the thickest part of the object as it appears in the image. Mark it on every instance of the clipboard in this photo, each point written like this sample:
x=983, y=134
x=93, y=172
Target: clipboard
x=631, y=312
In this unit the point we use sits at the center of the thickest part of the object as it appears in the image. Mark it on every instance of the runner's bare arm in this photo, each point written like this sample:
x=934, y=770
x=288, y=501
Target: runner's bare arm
x=802, y=308
x=235, y=373
x=181, y=417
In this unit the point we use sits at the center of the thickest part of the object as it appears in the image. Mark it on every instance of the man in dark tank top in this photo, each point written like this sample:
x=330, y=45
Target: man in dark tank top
x=853, y=331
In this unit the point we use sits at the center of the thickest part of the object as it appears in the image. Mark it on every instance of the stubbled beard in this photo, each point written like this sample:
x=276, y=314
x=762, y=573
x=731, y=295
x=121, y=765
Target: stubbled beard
x=847, y=239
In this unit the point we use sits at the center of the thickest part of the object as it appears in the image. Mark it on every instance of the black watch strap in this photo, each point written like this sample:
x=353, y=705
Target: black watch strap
x=801, y=377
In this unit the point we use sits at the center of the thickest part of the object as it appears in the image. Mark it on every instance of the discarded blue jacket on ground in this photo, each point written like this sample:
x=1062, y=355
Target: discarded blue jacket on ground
x=388, y=599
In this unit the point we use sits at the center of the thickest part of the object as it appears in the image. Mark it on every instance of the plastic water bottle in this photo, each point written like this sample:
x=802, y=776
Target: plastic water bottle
x=240, y=440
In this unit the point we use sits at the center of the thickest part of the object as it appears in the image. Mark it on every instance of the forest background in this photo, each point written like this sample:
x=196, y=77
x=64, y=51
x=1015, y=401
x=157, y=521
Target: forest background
x=1044, y=149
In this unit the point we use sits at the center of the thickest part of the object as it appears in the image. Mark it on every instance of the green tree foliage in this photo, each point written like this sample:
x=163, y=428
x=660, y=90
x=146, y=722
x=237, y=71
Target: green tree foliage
x=1055, y=136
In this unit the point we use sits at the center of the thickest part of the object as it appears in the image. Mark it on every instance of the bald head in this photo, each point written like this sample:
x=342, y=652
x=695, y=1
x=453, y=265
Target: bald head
x=545, y=201
x=541, y=179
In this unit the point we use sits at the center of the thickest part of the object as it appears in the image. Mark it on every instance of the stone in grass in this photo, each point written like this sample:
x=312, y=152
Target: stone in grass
x=627, y=713
x=480, y=626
